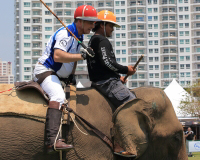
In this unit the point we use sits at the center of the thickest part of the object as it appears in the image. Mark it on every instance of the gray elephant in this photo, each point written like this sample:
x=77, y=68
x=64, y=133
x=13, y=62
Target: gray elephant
x=146, y=127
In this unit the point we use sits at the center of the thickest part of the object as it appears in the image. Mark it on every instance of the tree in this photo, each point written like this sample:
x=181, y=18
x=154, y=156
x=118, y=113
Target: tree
x=190, y=105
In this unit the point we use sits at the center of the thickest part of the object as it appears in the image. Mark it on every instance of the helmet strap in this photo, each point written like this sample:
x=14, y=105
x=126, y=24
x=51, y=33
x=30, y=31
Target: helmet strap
x=82, y=25
x=104, y=23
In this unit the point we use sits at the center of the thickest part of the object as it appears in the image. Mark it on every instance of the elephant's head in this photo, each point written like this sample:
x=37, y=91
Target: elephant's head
x=149, y=128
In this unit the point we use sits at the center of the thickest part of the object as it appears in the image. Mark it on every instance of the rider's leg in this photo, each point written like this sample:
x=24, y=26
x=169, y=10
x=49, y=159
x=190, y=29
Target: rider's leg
x=115, y=91
x=118, y=94
x=52, y=86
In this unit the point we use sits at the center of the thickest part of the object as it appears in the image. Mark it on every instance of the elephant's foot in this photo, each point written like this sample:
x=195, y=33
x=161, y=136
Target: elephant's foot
x=59, y=146
x=120, y=152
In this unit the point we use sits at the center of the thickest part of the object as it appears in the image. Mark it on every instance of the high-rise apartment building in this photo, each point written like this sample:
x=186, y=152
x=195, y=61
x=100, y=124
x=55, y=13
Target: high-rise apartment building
x=167, y=32
x=6, y=76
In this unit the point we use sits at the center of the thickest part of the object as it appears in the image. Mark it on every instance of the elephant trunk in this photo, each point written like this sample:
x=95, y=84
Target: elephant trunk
x=131, y=129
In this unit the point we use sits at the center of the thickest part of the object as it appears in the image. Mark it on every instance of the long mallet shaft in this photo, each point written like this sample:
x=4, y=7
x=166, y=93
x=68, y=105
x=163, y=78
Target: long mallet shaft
x=135, y=65
x=64, y=25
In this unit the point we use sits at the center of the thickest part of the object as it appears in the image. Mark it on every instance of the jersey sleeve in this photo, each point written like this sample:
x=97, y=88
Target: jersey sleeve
x=62, y=42
x=108, y=59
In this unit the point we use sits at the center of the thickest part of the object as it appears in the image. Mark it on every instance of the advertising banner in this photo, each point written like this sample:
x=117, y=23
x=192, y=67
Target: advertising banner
x=194, y=146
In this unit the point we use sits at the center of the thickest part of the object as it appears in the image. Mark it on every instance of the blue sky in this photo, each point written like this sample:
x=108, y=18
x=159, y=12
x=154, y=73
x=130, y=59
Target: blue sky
x=7, y=31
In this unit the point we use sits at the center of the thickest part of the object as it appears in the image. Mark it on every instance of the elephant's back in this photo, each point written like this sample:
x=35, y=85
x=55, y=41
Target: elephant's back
x=21, y=138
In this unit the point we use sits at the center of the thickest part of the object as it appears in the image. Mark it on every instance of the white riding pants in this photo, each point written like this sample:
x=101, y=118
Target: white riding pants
x=52, y=86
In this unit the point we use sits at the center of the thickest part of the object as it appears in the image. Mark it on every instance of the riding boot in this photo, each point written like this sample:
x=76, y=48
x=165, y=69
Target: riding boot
x=53, y=122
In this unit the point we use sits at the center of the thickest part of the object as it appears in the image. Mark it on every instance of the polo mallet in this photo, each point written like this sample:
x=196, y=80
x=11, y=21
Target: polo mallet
x=135, y=65
x=85, y=48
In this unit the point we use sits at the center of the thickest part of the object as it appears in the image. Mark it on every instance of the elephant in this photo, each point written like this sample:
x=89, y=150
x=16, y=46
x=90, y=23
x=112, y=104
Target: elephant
x=146, y=126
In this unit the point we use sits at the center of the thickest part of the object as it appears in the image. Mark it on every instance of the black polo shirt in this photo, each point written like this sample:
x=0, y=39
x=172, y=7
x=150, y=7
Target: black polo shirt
x=190, y=136
x=103, y=65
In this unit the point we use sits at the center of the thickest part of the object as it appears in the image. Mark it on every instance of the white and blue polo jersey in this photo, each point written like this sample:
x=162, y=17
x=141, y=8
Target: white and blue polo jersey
x=62, y=40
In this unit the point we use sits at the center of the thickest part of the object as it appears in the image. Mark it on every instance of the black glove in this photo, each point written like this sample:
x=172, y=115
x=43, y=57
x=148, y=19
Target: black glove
x=88, y=52
x=72, y=79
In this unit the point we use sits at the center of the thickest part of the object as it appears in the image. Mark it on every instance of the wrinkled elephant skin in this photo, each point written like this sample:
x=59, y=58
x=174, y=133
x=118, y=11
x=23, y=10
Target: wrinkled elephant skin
x=149, y=128
x=146, y=127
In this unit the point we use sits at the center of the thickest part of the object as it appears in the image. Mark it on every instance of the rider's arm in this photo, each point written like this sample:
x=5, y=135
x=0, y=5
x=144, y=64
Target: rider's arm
x=65, y=57
x=107, y=58
x=62, y=44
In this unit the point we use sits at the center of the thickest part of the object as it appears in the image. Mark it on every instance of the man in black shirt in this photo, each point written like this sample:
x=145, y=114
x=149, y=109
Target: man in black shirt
x=189, y=135
x=103, y=68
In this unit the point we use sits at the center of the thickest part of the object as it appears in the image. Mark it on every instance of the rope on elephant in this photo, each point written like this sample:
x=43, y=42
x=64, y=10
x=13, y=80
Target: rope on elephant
x=13, y=89
x=78, y=127
x=59, y=132
x=7, y=90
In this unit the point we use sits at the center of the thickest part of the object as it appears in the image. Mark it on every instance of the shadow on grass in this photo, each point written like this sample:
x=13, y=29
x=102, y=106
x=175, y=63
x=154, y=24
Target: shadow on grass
x=196, y=156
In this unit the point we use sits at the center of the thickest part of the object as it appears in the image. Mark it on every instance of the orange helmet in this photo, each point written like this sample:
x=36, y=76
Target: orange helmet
x=107, y=16
x=86, y=12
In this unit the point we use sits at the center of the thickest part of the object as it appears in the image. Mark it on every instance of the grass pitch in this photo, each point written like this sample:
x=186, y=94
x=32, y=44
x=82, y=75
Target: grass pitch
x=196, y=156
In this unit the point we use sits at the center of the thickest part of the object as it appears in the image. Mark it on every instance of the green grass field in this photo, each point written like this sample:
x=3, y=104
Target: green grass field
x=196, y=156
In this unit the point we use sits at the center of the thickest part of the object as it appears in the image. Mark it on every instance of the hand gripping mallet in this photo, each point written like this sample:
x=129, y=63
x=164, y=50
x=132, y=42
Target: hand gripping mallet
x=135, y=65
x=85, y=48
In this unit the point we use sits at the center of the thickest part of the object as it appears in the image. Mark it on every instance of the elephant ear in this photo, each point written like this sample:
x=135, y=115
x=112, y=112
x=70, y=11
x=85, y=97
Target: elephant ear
x=132, y=126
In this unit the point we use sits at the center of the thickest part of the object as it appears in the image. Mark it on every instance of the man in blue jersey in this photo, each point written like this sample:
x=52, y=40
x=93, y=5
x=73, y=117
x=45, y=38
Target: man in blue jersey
x=59, y=60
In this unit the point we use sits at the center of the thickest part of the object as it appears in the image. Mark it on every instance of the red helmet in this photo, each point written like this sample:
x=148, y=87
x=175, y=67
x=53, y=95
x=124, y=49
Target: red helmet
x=86, y=12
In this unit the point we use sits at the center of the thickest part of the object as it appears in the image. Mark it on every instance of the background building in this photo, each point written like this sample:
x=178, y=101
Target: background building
x=167, y=32
x=6, y=76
